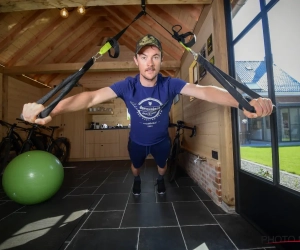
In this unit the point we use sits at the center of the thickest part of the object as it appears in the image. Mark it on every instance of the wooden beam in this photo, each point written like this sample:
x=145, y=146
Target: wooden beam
x=29, y=81
x=19, y=5
x=73, y=67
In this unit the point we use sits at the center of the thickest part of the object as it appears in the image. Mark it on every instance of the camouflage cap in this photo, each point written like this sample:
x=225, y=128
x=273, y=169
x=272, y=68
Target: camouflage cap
x=147, y=40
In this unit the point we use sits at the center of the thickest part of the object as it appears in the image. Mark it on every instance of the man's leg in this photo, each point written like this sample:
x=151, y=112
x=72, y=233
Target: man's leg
x=135, y=171
x=137, y=155
x=161, y=152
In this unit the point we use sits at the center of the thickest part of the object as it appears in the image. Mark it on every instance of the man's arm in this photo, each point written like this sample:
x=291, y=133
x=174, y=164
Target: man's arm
x=263, y=106
x=74, y=103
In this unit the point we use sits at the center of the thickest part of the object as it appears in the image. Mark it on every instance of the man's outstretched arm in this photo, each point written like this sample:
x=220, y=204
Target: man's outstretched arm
x=73, y=103
x=263, y=106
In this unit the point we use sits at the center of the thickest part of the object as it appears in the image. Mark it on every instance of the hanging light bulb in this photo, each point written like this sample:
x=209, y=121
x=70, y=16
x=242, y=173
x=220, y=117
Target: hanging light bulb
x=64, y=13
x=81, y=10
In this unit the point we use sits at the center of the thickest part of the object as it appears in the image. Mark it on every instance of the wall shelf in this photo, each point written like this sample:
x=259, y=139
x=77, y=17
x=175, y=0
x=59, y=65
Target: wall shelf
x=101, y=113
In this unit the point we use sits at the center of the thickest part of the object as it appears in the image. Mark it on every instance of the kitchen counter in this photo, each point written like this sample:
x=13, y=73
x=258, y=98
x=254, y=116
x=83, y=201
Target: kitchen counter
x=125, y=127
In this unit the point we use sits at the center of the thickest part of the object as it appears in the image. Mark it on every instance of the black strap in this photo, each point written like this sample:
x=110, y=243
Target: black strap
x=114, y=44
x=181, y=38
x=66, y=85
x=229, y=84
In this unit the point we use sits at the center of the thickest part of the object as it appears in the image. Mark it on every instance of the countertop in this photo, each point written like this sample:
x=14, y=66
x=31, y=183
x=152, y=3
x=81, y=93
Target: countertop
x=110, y=128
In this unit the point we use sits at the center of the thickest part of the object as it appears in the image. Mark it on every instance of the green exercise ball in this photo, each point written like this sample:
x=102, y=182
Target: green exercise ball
x=32, y=177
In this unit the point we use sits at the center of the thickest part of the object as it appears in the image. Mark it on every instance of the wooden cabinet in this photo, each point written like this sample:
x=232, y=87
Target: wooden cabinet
x=101, y=143
x=106, y=144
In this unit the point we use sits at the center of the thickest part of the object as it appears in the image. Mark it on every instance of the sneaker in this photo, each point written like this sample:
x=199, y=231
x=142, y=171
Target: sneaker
x=136, y=190
x=161, y=189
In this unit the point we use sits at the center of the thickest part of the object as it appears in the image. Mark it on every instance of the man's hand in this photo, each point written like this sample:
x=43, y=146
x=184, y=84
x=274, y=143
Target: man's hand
x=31, y=111
x=262, y=106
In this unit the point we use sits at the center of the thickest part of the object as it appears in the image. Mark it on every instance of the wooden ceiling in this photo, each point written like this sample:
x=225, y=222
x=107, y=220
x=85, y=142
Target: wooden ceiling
x=40, y=47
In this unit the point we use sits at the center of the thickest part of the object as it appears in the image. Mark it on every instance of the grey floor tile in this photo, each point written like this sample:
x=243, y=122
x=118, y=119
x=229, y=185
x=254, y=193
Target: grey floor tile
x=214, y=208
x=112, y=202
x=161, y=239
x=8, y=208
x=113, y=188
x=122, y=173
x=114, y=179
x=107, y=239
x=185, y=182
x=240, y=231
x=149, y=215
x=83, y=190
x=193, y=213
x=208, y=237
x=143, y=198
x=202, y=195
x=178, y=194
x=109, y=219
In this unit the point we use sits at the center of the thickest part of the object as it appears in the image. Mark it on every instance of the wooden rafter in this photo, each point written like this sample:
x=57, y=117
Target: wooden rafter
x=20, y=28
x=34, y=41
x=137, y=31
x=156, y=10
x=82, y=46
x=55, y=44
x=19, y=5
x=150, y=26
x=72, y=67
x=73, y=44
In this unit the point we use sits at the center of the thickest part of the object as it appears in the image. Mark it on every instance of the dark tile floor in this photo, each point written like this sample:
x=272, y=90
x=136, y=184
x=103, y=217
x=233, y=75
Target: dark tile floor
x=95, y=209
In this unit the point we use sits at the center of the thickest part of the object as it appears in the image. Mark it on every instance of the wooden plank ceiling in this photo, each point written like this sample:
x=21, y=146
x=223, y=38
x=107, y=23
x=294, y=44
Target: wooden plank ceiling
x=40, y=47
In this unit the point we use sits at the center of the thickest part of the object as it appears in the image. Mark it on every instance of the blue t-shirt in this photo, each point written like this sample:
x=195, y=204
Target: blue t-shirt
x=148, y=107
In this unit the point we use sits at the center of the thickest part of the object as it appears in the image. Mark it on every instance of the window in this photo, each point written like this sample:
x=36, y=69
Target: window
x=286, y=53
x=245, y=14
x=255, y=135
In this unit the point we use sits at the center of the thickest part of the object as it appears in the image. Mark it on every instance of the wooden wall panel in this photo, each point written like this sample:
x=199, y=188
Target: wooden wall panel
x=20, y=93
x=213, y=121
x=119, y=116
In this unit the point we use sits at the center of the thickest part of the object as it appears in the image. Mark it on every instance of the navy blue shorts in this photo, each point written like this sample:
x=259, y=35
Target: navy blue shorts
x=159, y=151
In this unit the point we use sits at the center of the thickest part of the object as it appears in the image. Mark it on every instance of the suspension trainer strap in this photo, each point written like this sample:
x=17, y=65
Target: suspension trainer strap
x=67, y=84
x=229, y=84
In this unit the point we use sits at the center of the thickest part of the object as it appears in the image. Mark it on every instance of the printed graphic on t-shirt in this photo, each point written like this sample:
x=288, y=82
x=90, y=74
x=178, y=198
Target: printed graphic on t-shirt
x=149, y=109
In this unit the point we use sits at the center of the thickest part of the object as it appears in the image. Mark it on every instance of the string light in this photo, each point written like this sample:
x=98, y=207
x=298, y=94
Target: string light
x=81, y=10
x=36, y=81
x=64, y=13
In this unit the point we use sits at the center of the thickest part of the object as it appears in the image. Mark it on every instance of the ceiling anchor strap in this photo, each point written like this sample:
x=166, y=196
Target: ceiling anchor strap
x=143, y=4
x=228, y=82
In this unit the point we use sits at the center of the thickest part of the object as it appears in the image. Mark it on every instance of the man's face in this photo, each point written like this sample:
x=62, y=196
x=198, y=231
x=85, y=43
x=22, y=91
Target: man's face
x=149, y=60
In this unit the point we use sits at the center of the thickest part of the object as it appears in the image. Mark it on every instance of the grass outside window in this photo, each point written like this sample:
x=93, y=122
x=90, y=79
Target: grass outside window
x=289, y=157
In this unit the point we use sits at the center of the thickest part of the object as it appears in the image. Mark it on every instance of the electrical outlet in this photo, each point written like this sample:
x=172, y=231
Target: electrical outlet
x=214, y=154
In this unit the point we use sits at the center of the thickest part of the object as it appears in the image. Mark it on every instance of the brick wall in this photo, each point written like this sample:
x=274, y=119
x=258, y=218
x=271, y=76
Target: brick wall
x=207, y=174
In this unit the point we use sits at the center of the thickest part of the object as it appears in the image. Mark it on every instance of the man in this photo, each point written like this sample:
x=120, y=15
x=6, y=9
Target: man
x=148, y=97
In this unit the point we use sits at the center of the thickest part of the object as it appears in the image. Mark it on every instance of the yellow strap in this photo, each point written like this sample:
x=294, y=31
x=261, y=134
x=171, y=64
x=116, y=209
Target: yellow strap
x=187, y=48
x=106, y=47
